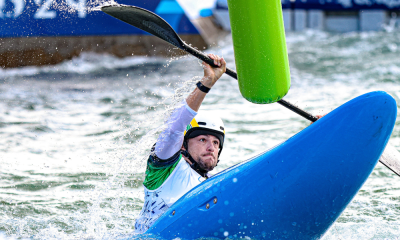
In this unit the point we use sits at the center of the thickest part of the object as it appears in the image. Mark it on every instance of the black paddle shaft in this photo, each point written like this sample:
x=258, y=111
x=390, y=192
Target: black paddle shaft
x=154, y=24
x=233, y=74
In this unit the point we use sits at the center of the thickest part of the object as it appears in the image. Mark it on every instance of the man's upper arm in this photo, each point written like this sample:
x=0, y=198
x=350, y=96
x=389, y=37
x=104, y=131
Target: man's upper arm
x=170, y=140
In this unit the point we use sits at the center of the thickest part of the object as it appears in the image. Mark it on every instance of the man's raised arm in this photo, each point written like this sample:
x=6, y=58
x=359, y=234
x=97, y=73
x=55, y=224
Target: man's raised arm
x=170, y=140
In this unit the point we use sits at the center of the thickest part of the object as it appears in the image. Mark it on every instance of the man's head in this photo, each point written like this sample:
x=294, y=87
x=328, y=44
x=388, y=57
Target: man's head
x=204, y=139
x=204, y=150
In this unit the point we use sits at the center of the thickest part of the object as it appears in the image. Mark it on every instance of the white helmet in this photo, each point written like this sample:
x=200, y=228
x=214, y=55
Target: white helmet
x=204, y=124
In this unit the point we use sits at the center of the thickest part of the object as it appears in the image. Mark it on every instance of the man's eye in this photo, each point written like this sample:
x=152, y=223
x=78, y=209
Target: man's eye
x=216, y=143
x=202, y=140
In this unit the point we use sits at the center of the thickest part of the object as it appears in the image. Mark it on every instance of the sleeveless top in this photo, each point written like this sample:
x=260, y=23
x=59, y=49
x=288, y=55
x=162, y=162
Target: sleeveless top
x=182, y=179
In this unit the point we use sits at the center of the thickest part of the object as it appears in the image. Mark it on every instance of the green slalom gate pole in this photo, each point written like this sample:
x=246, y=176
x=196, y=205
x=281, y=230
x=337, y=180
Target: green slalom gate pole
x=260, y=49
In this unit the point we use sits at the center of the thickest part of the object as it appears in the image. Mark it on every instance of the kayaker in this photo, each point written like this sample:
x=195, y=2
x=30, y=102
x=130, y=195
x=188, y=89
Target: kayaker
x=185, y=151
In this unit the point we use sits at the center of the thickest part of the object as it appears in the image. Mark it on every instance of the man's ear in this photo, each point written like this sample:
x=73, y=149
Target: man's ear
x=183, y=146
x=185, y=155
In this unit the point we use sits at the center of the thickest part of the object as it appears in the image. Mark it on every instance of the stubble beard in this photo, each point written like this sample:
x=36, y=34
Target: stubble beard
x=204, y=166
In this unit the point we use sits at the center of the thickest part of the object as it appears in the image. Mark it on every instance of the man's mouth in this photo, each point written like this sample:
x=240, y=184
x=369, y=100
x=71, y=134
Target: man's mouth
x=209, y=154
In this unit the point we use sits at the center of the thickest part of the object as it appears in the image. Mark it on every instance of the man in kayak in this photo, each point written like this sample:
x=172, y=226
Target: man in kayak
x=185, y=151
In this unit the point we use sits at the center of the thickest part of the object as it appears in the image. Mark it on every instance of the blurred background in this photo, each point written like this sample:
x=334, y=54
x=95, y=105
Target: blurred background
x=83, y=97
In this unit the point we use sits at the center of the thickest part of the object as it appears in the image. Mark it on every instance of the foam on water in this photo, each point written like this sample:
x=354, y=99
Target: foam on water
x=85, y=63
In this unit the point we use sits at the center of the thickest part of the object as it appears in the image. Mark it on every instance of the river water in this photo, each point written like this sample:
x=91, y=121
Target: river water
x=74, y=137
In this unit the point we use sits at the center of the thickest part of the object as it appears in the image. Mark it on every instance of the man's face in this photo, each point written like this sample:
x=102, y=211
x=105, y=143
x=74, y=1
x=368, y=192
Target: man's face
x=204, y=150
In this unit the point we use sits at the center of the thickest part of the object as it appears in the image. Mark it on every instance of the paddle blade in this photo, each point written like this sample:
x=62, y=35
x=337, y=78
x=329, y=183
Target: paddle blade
x=146, y=21
x=391, y=159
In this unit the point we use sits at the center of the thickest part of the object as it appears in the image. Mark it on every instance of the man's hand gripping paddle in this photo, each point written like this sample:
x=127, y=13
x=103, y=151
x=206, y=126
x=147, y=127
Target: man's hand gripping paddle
x=154, y=24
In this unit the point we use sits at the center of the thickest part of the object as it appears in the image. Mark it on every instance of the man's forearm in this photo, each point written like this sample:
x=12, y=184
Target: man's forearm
x=171, y=139
x=195, y=99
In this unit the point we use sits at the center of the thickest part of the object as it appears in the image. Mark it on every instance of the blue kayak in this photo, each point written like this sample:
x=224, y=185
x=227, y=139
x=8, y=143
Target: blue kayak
x=298, y=189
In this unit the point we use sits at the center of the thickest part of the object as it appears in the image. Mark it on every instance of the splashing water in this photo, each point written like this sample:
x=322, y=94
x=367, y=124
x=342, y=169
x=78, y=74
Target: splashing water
x=76, y=136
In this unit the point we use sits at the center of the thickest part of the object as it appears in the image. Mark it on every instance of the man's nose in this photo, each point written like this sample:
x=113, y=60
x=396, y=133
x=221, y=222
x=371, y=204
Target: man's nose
x=210, y=147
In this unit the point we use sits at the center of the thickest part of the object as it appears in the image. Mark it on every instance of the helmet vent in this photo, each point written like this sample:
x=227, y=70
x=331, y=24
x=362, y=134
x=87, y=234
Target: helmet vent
x=222, y=128
x=202, y=123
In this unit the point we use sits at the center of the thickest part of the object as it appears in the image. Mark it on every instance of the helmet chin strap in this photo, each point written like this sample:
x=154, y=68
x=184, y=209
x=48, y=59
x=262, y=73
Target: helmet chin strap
x=194, y=165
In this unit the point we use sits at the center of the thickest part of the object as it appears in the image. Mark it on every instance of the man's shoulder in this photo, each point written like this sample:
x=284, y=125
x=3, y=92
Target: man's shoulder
x=157, y=163
x=158, y=170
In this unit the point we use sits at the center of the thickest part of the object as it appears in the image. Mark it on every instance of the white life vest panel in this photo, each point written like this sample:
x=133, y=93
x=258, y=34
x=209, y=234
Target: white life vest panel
x=157, y=201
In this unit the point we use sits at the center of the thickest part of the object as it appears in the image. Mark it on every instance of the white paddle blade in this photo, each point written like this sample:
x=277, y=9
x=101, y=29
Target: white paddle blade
x=391, y=159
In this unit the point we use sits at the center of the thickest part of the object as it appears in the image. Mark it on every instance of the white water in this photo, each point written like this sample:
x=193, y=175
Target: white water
x=74, y=136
